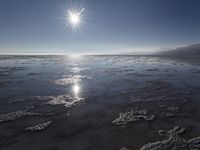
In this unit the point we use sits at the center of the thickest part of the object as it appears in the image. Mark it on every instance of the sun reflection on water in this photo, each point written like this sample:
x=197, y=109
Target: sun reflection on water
x=75, y=56
x=76, y=90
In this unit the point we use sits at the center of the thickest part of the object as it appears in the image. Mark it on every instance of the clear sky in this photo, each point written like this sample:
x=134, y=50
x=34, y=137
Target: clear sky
x=38, y=26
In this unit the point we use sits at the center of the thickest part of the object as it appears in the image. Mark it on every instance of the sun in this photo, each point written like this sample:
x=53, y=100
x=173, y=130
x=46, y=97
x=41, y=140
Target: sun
x=74, y=18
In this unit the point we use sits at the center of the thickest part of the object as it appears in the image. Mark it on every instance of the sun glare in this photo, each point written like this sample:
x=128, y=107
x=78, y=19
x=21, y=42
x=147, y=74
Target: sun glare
x=76, y=89
x=75, y=17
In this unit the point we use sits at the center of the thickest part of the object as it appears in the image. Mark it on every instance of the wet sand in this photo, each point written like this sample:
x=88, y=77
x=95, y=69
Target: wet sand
x=99, y=103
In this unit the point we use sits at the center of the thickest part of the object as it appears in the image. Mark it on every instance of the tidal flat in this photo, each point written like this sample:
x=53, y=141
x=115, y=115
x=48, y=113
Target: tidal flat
x=99, y=103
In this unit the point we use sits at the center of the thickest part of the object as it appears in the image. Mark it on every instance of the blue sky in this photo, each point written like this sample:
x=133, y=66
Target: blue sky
x=38, y=26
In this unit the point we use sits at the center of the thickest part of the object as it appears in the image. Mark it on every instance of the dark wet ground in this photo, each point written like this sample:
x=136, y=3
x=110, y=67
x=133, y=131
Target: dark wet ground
x=99, y=103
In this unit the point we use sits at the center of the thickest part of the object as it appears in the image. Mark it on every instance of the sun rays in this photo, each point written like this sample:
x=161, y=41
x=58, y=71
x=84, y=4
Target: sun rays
x=74, y=18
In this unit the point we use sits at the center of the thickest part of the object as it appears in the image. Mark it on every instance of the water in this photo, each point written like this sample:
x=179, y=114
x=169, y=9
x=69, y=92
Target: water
x=78, y=97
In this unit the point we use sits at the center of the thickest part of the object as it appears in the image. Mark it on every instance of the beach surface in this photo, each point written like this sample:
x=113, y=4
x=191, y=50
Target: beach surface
x=99, y=103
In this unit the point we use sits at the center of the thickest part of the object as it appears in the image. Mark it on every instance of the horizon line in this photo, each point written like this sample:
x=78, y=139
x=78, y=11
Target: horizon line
x=72, y=54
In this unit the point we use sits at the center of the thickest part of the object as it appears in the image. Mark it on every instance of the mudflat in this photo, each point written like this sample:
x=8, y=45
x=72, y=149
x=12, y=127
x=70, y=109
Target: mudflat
x=99, y=103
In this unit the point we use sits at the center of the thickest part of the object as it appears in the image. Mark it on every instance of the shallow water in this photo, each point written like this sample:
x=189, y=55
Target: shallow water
x=72, y=102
